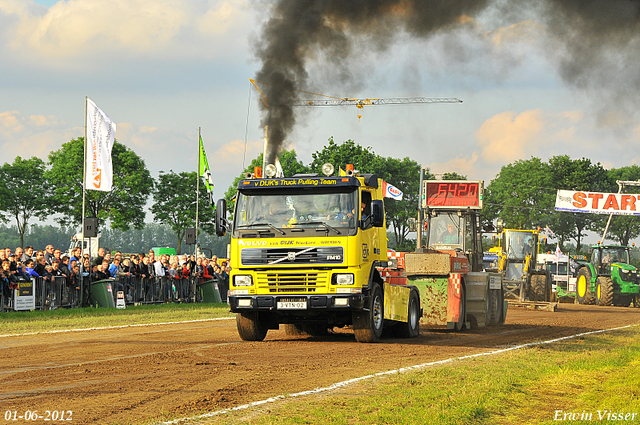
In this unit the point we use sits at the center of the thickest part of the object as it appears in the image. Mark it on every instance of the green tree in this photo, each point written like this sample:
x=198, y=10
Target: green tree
x=24, y=192
x=624, y=228
x=123, y=206
x=175, y=204
x=405, y=175
x=576, y=174
x=521, y=194
x=348, y=152
x=290, y=166
x=453, y=176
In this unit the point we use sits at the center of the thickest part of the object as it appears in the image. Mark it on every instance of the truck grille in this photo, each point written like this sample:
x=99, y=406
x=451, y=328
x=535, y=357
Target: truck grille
x=284, y=282
x=263, y=256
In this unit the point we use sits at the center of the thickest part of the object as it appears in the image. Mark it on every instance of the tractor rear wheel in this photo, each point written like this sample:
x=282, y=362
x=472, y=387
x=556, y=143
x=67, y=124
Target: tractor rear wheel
x=367, y=324
x=604, y=291
x=538, y=288
x=250, y=327
x=583, y=287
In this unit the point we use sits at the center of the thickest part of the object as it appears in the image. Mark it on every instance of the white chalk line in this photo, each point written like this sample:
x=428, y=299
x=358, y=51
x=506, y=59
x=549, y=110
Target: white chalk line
x=116, y=327
x=386, y=373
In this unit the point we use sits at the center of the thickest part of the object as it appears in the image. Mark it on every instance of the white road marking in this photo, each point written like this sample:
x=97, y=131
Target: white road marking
x=389, y=372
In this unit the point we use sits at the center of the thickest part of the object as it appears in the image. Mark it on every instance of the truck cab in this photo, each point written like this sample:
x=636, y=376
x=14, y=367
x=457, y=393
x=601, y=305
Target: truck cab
x=304, y=253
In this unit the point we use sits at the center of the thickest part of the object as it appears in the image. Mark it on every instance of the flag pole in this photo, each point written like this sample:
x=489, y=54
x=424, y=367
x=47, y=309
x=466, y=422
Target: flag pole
x=84, y=175
x=198, y=189
x=84, y=192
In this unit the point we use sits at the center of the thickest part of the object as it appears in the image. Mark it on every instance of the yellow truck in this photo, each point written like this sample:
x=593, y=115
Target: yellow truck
x=305, y=252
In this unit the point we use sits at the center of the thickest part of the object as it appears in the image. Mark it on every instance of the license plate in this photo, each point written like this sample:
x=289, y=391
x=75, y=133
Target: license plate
x=292, y=305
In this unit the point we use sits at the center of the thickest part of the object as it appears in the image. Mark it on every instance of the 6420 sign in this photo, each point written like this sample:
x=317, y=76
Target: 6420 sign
x=452, y=193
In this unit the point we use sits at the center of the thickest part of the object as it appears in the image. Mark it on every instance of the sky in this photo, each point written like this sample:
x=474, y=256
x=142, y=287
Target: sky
x=161, y=69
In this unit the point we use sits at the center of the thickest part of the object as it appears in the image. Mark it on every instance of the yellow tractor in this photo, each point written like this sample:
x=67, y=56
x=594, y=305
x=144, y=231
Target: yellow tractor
x=517, y=255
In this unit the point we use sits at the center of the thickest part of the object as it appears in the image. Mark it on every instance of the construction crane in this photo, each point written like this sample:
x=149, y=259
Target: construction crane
x=358, y=103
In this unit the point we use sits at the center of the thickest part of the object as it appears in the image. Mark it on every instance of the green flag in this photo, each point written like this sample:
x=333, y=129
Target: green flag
x=205, y=171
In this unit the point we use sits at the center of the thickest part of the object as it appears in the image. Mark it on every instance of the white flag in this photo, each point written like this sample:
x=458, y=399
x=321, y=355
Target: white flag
x=279, y=170
x=101, y=132
x=390, y=191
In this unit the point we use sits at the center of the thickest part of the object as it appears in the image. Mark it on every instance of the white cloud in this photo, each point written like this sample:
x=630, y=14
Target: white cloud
x=467, y=166
x=35, y=135
x=149, y=28
x=508, y=136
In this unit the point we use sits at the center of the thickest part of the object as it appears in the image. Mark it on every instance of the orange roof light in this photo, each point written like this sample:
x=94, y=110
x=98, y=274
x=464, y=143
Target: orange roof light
x=258, y=172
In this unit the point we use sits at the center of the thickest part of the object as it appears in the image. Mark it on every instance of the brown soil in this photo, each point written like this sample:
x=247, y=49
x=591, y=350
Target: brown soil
x=133, y=375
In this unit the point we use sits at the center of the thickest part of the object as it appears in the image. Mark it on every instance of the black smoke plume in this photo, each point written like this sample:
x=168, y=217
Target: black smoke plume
x=588, y=36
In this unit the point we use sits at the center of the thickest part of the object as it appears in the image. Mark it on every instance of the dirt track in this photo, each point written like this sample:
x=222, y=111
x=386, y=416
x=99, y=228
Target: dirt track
x=134, y=374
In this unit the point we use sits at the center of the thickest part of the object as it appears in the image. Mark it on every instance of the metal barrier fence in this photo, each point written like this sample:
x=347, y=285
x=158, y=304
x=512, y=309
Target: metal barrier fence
x=60, y=292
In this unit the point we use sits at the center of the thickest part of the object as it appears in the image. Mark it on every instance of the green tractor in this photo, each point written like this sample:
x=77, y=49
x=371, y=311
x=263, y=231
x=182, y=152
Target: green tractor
x=609, y=279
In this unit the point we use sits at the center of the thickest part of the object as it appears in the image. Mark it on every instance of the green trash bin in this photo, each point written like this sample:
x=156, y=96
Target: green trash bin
x=209, y=291
x=102, y=293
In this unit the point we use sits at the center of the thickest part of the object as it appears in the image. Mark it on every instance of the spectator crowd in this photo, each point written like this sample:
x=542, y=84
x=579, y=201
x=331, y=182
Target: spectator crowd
x=143, y=277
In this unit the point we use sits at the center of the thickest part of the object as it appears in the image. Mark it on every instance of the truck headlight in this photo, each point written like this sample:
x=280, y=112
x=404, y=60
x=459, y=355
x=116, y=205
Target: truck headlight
x=242, y=280
x=343, y=279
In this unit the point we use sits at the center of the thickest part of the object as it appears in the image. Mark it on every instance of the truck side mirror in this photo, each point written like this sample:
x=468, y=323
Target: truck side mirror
x=221, y=217
x=377, y=210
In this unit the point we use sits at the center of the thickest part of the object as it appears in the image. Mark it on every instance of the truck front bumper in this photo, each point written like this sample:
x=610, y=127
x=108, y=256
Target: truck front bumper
x=296, y=304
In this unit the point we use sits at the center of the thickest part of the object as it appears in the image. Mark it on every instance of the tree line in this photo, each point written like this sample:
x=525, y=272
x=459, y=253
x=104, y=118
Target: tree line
x=522, y=194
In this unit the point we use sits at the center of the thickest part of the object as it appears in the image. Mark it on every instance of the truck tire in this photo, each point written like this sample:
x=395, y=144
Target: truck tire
x=583, y=287
x=461, y=324
x=367, y=325
x=538, y=288
x=604, y=291
x=495, y=307
x=250, y=327
x=411, y=328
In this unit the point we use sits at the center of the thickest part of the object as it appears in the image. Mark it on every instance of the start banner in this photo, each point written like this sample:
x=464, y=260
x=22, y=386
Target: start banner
x=598, y=202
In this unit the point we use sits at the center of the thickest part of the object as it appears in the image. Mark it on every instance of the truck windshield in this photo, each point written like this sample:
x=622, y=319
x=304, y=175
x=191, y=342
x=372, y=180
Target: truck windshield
x=446, y=231
x=297, y=210
x=519, y=245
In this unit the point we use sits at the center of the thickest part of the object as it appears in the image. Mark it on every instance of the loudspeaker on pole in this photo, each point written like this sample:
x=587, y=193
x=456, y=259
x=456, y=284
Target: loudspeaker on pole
x=90, y=227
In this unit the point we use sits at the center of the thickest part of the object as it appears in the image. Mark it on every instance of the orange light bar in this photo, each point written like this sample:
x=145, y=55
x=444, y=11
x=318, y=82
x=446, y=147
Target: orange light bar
x=349, y=167
x=258, y=172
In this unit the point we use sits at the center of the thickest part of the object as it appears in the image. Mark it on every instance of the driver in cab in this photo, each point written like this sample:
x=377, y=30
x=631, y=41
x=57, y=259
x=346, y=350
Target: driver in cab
x=451, y=235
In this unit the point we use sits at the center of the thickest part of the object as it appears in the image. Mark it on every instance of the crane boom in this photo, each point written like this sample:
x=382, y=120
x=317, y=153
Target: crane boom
x=366, y=102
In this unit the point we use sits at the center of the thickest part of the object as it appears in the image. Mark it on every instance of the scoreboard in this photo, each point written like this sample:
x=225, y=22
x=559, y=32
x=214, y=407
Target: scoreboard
x=452, y=194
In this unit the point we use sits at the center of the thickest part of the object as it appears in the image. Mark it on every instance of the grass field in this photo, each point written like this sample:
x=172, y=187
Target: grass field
x=589, y=378
x=79, y=318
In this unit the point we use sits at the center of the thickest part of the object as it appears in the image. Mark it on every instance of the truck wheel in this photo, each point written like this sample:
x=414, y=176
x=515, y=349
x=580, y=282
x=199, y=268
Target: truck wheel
x=583, y=287
x=495, y=310
x=462, y=320
x=249, y=326
x=538, y=288
x=411, y=328
x=367, y=325
x=604, y=291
